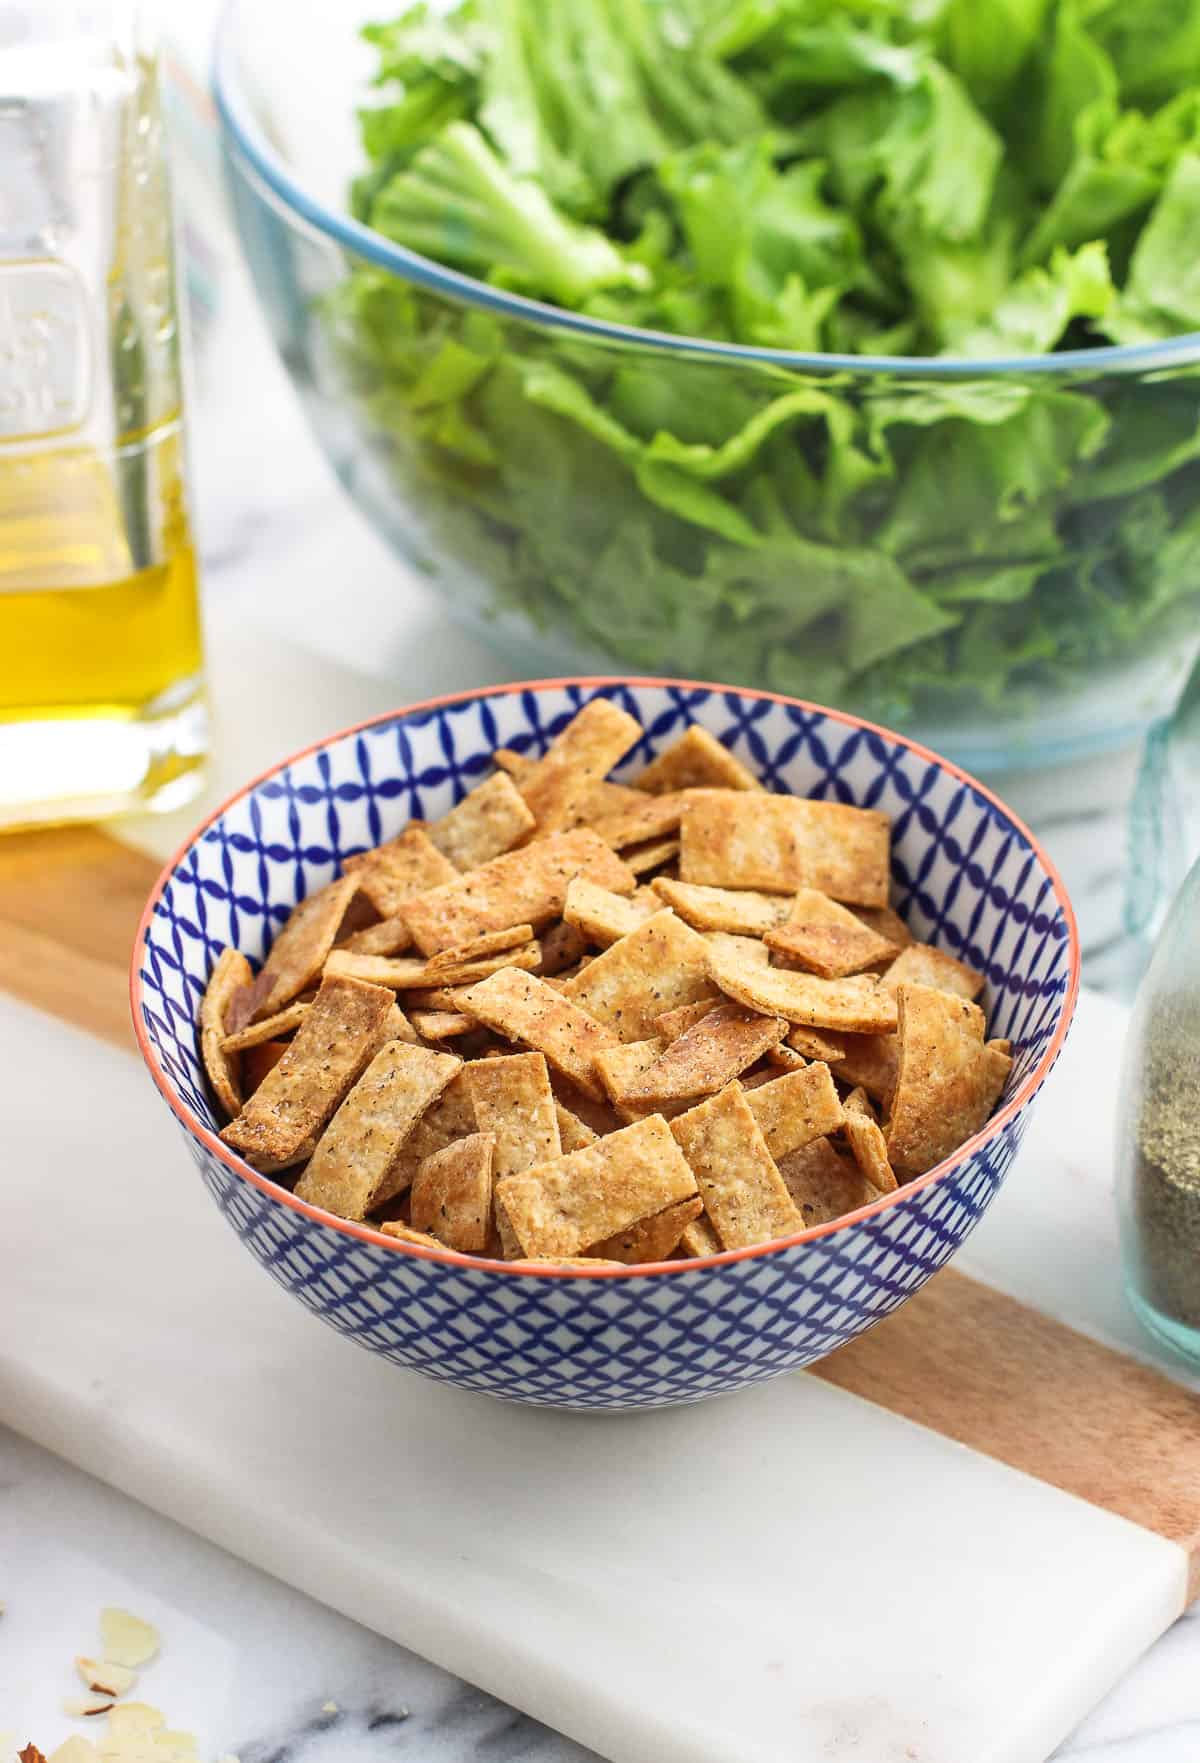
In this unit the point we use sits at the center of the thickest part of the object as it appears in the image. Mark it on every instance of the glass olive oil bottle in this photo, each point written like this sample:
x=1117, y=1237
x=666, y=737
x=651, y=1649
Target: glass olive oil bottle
x=101, y=696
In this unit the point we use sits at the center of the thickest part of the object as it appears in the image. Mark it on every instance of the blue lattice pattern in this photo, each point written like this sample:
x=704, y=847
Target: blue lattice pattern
x=966, y=876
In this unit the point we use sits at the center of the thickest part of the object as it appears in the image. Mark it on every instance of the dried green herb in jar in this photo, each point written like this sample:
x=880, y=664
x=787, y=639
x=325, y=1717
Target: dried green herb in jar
x=1166, y=1172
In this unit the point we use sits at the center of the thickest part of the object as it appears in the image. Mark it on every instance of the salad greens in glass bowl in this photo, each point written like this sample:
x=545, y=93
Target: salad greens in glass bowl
x=842, y=347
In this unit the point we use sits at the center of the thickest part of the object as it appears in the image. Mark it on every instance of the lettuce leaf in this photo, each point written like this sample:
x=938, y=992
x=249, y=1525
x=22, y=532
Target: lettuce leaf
x=982, y=179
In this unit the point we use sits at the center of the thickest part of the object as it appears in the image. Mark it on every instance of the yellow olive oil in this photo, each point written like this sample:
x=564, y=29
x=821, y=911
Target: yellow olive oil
x=84, y=632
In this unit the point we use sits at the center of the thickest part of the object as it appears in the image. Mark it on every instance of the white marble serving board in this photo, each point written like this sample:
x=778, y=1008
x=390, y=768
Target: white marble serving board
x=787, y=1575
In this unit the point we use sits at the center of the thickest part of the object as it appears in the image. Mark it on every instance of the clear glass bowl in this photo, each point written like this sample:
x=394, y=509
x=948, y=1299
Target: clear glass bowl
x=1014, y=602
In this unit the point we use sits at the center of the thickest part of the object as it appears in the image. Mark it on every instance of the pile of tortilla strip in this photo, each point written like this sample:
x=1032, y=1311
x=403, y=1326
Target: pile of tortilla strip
x=585, y=1023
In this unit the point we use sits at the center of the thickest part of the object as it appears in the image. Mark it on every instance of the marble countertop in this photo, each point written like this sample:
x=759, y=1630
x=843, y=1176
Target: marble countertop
x=253, y=1668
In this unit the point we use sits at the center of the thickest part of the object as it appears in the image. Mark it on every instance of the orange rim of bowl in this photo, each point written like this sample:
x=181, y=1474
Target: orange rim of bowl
x=452, y=1258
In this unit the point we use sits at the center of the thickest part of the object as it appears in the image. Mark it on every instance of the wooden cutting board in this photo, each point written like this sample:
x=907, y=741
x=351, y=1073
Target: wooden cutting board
x=964, y=1364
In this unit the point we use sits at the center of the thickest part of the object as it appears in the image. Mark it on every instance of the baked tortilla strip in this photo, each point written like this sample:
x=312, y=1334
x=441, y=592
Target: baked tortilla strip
x=741, y=911
x=352, y=1158
x=948, y=1081
x=741, y=839
x=506, y=1242
x=650, y=1239
x=452, y=1194
x=513, y=764
x=707, y=1056
x=258, y=1061
x=621, y=1066
x=656, y=853
x=327, y=1057
x=598, y=1117
x=573, y=1133
x=643, y=819
x=823, y=1183
x=229, y=976
x=810, y=1042
x=603, y=917
x=442, y=1025
x=394, y=873
x=404, y=1233
x=727, y=944
x=744, y=1196
x=559, y=1208
x=514, y=1103
x=406, y=973
x=556, y=788
x=607, y=798
x=492, y=942
x=656, y=967
x=699, y=1238
x=885, y=923
x=827, y=939
x=298, y=952
x=396, y=1027
x=696, y=761
x=782, y=1057
x=449, y=1118
x=859, y=1004
x=490, y=819
x=528, y=886
x=390, y=936
x=560, y=948
x=673, y=1023
x=583, y=1261
x=529, y=1011
x=871, y=1062
x=920, y=964
x=434, y=998
x=867, y=1143
x=795, y=1109
x=271, y=1028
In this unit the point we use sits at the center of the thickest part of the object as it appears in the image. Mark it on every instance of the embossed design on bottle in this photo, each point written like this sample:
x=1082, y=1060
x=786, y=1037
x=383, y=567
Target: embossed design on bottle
x=45, y=353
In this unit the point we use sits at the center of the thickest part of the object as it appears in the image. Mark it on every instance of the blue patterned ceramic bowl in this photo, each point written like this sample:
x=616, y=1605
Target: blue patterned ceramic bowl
x=967, y=875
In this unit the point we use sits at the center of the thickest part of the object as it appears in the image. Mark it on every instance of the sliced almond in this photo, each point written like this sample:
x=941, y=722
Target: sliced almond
x=105, y=1676
x=72, y=1750
x=126, y=1639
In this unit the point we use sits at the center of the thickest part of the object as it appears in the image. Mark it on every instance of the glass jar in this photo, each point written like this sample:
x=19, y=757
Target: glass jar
x=1158, y=1171
x=101, y=700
